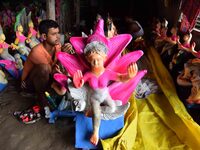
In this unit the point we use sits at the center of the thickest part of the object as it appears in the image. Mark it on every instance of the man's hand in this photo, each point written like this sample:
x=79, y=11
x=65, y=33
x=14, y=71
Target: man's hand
x=57, y=68
x=67, y=47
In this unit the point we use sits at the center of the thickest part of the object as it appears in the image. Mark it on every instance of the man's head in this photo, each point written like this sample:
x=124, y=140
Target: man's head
x=49, y=30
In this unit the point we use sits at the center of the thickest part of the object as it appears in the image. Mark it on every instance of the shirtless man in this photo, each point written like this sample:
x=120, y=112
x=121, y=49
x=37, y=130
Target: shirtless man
x=41, y=62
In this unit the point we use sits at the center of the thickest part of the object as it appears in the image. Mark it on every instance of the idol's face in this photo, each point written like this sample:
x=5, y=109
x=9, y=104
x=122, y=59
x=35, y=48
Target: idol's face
x=20, y=28
x=2, y=37
x=96, y=59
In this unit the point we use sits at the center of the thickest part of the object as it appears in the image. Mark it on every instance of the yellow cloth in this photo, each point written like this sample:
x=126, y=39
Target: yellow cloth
x=158, y=122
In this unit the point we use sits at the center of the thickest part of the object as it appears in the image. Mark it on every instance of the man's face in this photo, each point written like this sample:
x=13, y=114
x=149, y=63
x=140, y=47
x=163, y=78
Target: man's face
x=53, y=36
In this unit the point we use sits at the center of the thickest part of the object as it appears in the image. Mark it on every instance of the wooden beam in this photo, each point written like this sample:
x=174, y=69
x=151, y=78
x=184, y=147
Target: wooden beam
x=77, y=11
x=50, y=6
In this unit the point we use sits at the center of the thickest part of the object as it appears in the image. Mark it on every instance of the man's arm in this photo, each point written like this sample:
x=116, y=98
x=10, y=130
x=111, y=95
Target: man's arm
x=29, y=63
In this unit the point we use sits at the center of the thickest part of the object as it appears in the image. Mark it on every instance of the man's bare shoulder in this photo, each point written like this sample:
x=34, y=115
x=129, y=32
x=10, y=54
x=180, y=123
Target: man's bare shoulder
x=35, y=51
x=37, y=47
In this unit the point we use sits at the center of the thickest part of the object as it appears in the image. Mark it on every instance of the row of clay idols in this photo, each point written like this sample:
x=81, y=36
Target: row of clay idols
x=20, y=40
x=4, y=54
x=19, y=43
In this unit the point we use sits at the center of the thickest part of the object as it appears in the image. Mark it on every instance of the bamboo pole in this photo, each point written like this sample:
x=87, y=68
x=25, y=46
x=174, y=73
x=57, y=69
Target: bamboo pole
x=50, y=6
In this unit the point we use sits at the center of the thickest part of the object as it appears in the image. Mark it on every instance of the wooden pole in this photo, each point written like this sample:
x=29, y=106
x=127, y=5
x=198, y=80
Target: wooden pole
x=77, y=11
x=50, y=6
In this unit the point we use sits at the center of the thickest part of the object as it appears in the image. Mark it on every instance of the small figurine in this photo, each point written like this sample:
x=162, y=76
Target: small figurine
x=161, y=39
x=3, y=80
x=171, y=39
x=191, y=77
x=185, y=50
x=185, y=41
x=4, y=54
x=97, y=63
x=10, y=66
x=19, y=64
x=174, y=35
x=20, y=38
x=156, y=27
x=32, y=34
x=8, y=60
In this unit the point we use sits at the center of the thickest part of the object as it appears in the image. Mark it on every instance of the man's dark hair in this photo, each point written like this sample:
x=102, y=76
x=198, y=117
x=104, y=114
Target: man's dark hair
x=45, y=25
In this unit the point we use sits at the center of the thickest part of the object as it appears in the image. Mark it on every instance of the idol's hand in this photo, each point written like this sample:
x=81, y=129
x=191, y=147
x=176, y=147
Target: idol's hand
x=132, y=70
x=78, y=79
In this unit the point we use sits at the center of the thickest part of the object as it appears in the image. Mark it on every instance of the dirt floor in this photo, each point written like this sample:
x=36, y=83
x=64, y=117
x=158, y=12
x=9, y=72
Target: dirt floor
x=15, y=135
